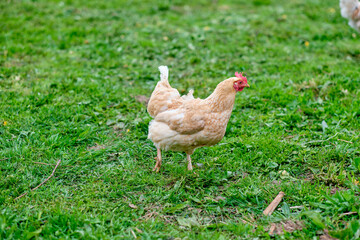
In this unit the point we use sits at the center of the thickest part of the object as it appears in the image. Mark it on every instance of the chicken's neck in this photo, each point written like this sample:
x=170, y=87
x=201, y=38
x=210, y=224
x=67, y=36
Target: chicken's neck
x=220, y=101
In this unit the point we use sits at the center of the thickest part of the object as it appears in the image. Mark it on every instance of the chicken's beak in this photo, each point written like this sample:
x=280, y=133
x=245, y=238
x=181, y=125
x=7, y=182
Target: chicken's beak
x=246, y=85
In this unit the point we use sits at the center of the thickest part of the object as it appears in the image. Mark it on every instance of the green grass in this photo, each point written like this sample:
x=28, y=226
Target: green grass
x=70, y=72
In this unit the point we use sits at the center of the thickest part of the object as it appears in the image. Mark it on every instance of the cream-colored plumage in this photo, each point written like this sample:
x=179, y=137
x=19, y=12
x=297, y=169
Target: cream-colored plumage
x=350, y=9
x=183, y=123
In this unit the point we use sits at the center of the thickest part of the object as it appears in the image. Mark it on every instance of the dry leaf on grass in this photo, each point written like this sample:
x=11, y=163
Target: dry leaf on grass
x=132, y=206
x=288, y=226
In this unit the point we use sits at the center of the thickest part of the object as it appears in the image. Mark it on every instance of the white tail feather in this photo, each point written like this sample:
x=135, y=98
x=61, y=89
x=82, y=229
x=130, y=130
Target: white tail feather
x=164, y=73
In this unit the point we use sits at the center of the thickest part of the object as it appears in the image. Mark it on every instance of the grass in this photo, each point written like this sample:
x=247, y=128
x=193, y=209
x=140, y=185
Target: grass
x=70, y=79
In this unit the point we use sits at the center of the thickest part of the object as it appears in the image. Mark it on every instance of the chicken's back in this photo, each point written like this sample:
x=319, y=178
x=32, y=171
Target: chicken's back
x=163, y=96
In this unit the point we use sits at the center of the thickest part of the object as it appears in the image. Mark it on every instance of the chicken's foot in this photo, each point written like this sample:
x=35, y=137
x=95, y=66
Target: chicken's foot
x=188, y=157
x=158, y=161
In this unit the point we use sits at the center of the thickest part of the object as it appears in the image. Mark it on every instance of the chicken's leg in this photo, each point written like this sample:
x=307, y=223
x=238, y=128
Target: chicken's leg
x=188, y=157
x=158, y=161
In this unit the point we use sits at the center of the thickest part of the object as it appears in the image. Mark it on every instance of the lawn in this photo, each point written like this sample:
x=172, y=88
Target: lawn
x=74, y=79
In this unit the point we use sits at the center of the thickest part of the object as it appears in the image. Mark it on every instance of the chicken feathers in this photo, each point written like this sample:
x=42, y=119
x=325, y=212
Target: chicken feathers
x=350, y=9
x=183, y=123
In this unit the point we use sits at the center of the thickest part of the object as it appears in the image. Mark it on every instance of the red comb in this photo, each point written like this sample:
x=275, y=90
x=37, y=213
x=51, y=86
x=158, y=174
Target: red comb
x=239, y=75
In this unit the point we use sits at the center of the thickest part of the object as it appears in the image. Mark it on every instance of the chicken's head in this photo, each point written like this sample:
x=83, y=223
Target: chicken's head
x=230, y=86
x=240, y=82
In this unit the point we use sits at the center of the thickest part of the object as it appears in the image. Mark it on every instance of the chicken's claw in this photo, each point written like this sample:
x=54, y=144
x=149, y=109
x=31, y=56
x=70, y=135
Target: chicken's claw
x=158, y=162
x=157, y=167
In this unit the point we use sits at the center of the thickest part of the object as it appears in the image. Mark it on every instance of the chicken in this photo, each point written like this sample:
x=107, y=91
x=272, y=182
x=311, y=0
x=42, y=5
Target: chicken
x=183, y=123
x=350, y=9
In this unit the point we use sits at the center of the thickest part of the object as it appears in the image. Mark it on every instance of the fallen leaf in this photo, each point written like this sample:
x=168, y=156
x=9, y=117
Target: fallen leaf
x=133, y=206
x=288, y=226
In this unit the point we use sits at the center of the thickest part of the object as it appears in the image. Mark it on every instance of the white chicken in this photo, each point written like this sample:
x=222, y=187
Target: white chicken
x=350, y=9
x=185, y=123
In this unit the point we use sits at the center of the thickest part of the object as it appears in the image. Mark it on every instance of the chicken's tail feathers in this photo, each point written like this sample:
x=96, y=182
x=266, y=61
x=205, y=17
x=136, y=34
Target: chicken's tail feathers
x=348, y=7
x=164, y=73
